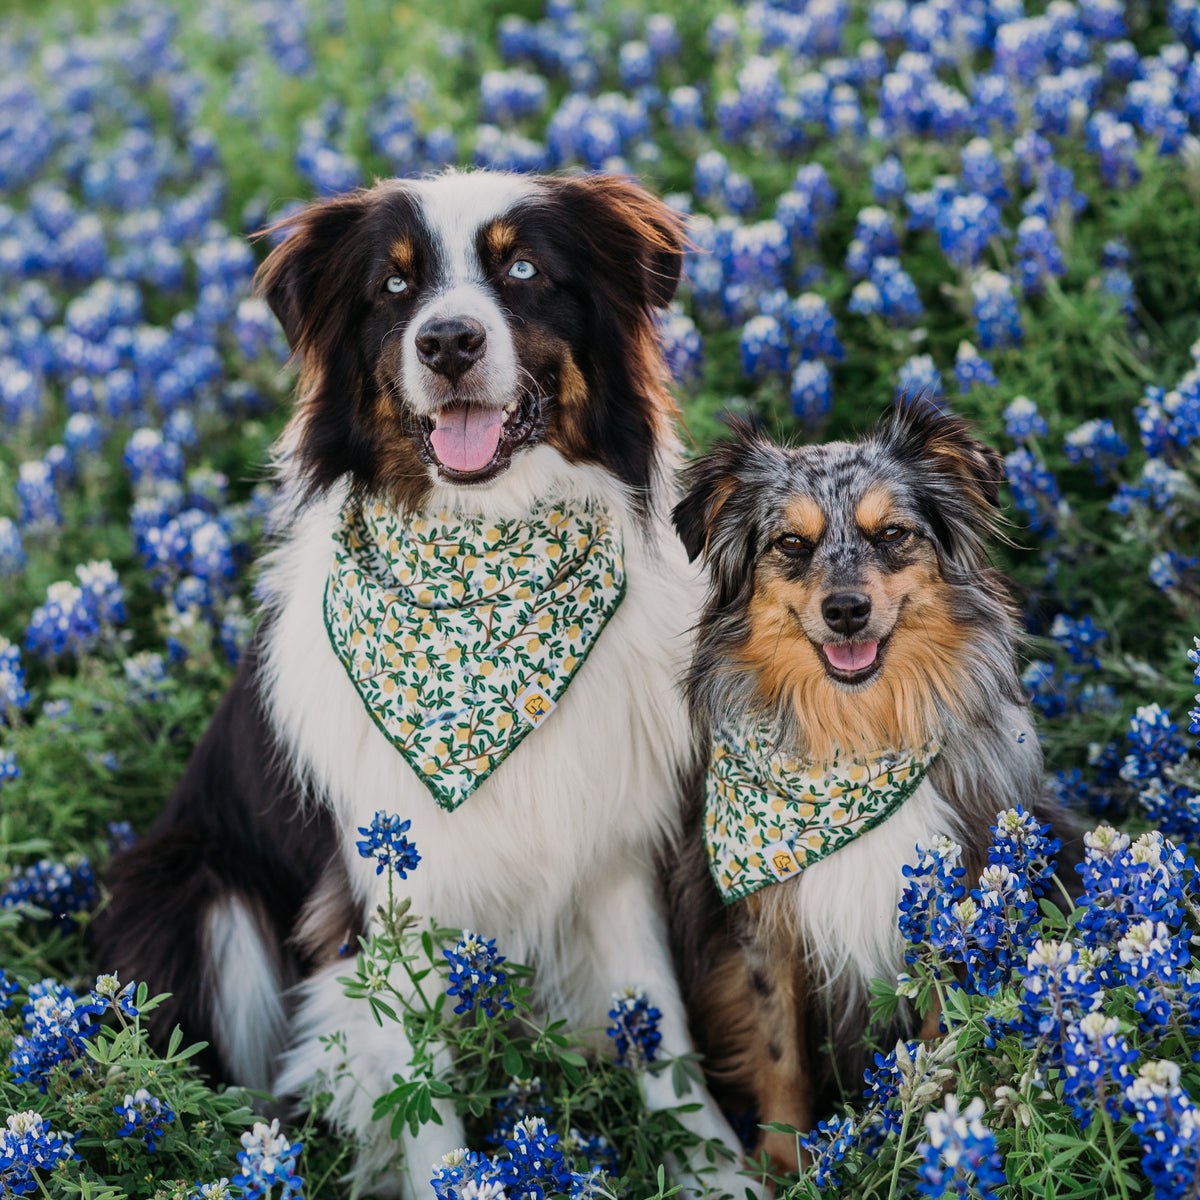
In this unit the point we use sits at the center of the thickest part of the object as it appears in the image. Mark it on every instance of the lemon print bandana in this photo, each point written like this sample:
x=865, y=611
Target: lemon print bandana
x=768, y=814
x=461, y=633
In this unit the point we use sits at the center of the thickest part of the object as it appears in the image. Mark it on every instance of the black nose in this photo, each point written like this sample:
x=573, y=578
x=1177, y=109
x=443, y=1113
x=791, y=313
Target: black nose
x=450, y=345
x=846, y=612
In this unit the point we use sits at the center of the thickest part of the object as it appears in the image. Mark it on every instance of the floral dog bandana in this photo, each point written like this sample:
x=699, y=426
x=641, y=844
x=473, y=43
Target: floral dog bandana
x=461, y=633
x=769, y=814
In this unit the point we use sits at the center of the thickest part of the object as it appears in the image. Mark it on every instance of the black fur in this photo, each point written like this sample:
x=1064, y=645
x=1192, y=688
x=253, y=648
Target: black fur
x=235, y=826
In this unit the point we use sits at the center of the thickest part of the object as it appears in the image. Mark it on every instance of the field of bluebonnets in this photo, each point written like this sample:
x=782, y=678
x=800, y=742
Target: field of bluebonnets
x=995, y=200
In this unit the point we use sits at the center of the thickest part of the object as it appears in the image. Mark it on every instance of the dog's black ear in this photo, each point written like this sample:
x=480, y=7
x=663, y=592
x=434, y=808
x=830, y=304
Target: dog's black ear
x=636, y=239
x=711, y=519
x=919, y=432
x=306, y=271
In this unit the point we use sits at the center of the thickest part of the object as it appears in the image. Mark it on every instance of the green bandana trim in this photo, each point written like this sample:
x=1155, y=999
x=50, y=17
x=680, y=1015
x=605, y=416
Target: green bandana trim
x=461, y=633
x=768, y=814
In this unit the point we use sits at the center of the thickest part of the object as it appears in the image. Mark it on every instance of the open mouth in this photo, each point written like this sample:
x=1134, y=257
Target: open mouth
x=852, y=662
x=471, y=443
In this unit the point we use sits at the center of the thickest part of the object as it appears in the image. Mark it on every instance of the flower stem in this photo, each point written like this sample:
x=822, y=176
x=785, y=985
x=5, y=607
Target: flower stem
x=900, y=1147
x=1112, y=1151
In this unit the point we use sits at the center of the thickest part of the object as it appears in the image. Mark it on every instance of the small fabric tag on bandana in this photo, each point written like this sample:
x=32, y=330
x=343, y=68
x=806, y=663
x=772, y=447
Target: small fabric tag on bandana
x=461, y=633
x=768, y=814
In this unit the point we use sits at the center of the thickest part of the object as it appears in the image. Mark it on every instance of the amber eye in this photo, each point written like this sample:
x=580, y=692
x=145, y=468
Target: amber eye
x=893, y=533
x=793, y=545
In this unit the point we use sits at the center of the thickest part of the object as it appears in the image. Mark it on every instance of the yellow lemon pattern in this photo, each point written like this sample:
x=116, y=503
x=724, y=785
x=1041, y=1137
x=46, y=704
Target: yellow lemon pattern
x=768, y=814
x=445, y=621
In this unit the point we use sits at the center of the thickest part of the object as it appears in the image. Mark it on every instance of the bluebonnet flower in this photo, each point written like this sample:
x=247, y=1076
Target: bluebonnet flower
x=150, y=457
x=965, y=226
x=145, y=673
x=592, y=1150
x=267, y=1160
x=874, y=236
x=468, y=1175
x=1167, y=1124
x=109, y=992
x=827, y=1146
x=1153, y=744
x=13, y=696
x=29, y=1145
x=385, y=842
x=898, y=299
x=9, y=770
x=934, y=885
x=1157, y=487
x=1022, y=420
x=634, y=1029
x=219, y=1189
x=682, y=347
x=995, y=311
x=1126, y=883
x=1116, y=144
x=1169, y=570
x=475, y=977
x=919, y=377
x=960, y=1156
x=1096, y=443
x=37, y=496
x=764, y=347
x=57, y=1027
x=523, y=1098
x=1038, y=255
x=1078, y=638
x=982, y=172
x=813, y=329
x=1096, y=1062
x=536, y=1166
x=685, y=110
x=1026, y=846
x=65, y=624
x=60, y=889
x=811, y=391
x=1035, y=491
x=145, y=1116
x=12, y=552
x=888, y=181
x=971, y=368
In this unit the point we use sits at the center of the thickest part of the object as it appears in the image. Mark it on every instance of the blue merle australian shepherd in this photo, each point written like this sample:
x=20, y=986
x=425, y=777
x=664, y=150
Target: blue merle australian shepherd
x=856, y=674
x=476, y=514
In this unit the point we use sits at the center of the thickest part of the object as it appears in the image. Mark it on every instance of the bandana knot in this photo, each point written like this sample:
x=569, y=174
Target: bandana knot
x=768, y=814
x=461, y=633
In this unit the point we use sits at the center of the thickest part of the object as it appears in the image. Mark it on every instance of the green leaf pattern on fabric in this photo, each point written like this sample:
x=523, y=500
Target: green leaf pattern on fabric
x=768, y=814
x=461, y=633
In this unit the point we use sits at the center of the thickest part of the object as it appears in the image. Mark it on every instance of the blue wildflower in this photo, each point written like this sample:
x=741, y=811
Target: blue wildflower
x=811, y=392
x=57, y=1028
x=268, y=1160
x=919, y=377
x=386, y=843
x=827, y=1145
x=971, y=369
x=995, y=311
x=634, y=1029
x=536, y=1166
x=58, y=889
x=960, y=1152
x=475, y=977
x=28, y=1145
x=1023, y=421
x=145, y=1116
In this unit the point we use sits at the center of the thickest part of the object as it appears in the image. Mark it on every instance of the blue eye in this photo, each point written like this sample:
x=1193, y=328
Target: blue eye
x=396, y=284
x=522, y=269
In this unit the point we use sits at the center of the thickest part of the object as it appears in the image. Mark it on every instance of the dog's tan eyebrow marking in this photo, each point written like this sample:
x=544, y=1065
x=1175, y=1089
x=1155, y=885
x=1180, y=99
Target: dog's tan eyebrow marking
x=500, y=237
x=803, y=515
x=876, y=509
x=403, y=253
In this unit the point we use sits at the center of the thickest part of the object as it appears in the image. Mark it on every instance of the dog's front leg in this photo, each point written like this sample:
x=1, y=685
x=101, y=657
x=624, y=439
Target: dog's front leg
x=356, y=1067
x=628, y=936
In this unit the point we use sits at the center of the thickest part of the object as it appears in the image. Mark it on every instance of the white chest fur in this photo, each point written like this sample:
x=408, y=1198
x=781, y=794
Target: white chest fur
x=594, y=788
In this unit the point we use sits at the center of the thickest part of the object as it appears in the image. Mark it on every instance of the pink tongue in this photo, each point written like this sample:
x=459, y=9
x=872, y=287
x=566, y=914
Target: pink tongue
x=851, y=656
x=466, y=437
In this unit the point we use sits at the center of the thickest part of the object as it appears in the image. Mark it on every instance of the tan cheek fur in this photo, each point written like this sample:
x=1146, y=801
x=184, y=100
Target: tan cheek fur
x=899, y=708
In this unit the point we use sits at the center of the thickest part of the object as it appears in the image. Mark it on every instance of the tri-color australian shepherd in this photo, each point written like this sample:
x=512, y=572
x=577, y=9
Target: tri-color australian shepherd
x=854, y=624
x=478, y=344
